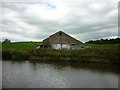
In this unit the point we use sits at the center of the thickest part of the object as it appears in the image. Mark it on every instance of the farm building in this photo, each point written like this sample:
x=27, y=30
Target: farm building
x=62, y=41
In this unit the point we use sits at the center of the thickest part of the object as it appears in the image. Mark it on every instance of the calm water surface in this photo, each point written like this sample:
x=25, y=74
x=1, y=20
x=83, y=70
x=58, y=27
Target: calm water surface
x=58, y=75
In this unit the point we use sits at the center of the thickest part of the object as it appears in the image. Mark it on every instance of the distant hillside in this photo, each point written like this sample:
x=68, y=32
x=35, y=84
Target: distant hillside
x=22, y=46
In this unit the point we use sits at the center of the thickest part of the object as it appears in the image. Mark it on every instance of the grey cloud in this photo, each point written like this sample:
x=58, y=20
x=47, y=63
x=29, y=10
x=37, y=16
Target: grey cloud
x=83, y=21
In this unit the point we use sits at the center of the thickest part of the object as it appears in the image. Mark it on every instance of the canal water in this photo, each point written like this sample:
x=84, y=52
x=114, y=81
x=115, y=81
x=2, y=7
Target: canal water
x=28, y=74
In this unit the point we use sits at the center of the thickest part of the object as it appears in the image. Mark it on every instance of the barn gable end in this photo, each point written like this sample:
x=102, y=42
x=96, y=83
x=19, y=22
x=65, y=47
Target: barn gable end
x=61, y=40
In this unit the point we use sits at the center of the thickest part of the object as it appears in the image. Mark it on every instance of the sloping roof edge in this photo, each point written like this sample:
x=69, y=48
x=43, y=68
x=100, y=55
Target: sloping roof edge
x=64, y=33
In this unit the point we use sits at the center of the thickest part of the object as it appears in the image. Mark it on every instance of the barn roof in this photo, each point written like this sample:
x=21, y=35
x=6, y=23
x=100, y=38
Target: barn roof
x=63, y=33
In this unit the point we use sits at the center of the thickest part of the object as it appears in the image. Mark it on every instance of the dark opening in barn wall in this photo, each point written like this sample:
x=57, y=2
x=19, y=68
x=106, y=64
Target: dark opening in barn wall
x=60, y=33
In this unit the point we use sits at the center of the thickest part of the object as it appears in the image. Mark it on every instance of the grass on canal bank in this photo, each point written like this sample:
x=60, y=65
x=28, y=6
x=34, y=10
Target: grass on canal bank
x=98, y=55
x=28, y=51
x=18, y=50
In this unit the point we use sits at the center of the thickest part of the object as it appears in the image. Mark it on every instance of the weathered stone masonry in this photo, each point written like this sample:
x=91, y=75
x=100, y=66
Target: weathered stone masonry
x=61, y=40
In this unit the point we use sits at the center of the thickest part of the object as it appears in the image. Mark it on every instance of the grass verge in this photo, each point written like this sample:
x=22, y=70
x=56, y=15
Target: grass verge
x=97, y=55
x=27, y=51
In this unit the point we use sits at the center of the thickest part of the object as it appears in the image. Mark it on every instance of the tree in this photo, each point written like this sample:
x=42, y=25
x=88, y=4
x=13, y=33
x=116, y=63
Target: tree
x=6, y=41
x=105, y=41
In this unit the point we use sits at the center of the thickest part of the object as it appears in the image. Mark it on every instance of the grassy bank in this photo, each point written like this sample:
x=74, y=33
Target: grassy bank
x=18, y=50
x=21, y=46
x=98, y=55
x=27, y=50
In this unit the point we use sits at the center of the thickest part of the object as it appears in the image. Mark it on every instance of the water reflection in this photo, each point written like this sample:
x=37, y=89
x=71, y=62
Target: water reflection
x=113, y=68
x=37, y=74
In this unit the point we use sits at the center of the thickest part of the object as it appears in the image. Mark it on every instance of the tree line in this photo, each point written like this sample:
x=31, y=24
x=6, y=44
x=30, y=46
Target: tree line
x=105, y=41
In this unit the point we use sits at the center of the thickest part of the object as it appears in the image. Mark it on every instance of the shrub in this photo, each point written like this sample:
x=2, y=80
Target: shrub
x=12, y=54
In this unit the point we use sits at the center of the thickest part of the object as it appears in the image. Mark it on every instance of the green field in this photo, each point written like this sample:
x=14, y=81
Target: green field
x=107, y=53
x=18, y=50
x=104, y=45
x=21, y=46
x=26, y=46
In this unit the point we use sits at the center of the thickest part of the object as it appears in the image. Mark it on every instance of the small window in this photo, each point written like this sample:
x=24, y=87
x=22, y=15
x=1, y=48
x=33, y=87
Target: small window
x=82, y=47
x=60, y=33
x=72, y=44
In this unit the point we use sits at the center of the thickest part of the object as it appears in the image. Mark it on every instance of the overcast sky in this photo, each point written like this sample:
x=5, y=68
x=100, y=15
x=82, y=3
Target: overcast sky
x=26, y=21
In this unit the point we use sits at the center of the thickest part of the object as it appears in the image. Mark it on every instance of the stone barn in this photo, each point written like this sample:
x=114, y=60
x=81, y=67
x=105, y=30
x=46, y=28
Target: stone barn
x=62, y=41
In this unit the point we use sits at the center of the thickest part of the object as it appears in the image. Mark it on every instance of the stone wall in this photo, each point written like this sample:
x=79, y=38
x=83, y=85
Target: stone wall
x=60, y=40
